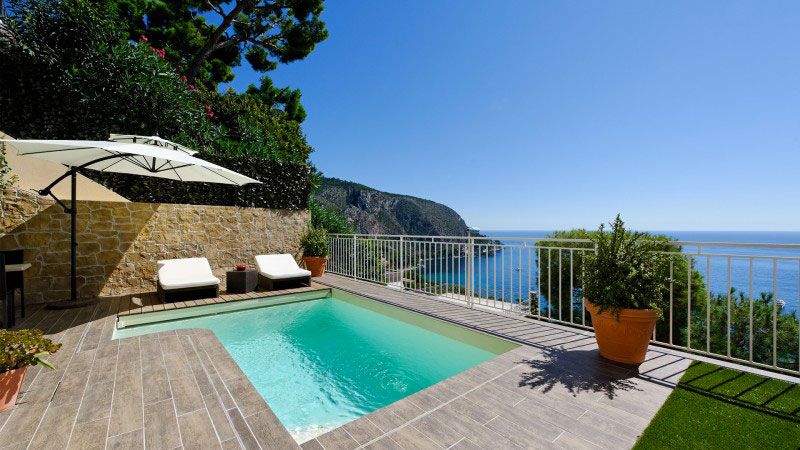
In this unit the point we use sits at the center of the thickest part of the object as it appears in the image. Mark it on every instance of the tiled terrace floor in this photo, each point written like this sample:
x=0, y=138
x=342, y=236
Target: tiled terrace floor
x=554, y=391
x=183, y=390
x=161, y=391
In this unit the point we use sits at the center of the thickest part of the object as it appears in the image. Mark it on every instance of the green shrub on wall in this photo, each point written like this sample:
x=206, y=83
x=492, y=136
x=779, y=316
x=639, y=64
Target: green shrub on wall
x=284, y=185
x=69, y=72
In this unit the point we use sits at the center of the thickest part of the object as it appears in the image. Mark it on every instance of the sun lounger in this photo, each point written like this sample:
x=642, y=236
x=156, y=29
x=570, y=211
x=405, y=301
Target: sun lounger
x=274, y=270
x=186, y=277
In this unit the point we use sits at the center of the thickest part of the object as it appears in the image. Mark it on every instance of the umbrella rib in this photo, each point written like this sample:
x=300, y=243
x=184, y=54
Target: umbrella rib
x=220, y=175
x=176, y=171
x=133, y=161
x=172, y=167
x=158, y=169
x=59, y=150
x=121, y=158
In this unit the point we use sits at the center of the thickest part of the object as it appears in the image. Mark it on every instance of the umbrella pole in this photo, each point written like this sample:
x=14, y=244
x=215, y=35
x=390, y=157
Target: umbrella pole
x=73, y=211
x=73, y=301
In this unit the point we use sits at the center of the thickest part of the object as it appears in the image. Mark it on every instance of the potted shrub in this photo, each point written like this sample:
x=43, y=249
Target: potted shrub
x=315, y=250
x=20, y=349
x=622, y=287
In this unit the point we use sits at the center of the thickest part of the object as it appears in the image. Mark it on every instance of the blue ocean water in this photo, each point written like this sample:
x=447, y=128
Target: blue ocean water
x=773, y=269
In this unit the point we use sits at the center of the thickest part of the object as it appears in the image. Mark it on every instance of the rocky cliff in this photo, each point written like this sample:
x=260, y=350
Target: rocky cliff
x=375, y=212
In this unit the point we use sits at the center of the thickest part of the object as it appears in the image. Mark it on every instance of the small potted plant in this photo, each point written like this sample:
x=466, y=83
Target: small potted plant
x=20, y=349
x=622, y=287
x=315, y=250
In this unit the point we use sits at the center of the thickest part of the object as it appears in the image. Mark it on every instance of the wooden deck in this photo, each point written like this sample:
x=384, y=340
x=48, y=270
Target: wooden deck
x=554, y=391
x=183, y=390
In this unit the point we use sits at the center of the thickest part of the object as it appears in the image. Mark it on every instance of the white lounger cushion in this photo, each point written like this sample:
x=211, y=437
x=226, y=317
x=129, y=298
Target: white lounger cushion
x=280, y=267
x=185, y=273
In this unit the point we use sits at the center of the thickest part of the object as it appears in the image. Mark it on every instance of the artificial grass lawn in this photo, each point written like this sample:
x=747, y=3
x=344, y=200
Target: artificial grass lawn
x=714, y=407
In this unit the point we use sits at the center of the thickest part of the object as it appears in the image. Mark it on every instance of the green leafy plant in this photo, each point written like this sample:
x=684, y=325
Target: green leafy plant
x=25, y=348
x=329, y=219
x=625, y=272
x=315, y=242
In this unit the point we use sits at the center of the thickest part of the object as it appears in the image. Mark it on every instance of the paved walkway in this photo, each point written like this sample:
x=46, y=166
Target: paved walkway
x=554, y=391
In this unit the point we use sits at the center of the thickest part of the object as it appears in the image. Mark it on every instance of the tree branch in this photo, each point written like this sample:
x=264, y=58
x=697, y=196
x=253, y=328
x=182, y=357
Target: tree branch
x=212, y=40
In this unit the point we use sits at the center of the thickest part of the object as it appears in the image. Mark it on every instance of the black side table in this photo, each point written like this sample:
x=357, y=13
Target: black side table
x=241, y=281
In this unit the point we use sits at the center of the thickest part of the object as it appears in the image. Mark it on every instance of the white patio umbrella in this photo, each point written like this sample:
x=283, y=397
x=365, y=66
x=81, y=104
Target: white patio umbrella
x=150, y=140
x=148, y=159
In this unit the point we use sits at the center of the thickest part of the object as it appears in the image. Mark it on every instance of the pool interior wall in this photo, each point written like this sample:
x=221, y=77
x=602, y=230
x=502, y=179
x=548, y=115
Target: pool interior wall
x=323, y=360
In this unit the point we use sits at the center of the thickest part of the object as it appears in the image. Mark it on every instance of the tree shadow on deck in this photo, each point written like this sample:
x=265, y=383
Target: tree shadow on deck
x=577, y=371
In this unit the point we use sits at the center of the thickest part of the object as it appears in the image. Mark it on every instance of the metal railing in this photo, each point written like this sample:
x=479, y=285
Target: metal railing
x=731, y=301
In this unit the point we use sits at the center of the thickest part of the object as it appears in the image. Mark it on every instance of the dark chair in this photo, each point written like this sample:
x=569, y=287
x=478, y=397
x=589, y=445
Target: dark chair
x=15, y=280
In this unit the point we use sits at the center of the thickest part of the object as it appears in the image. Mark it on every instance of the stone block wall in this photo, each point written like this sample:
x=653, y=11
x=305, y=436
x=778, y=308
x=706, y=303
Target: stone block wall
x=119, y=242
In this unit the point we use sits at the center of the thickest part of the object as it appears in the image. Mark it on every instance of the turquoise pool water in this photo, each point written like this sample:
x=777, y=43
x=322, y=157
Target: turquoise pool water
x=322, y=363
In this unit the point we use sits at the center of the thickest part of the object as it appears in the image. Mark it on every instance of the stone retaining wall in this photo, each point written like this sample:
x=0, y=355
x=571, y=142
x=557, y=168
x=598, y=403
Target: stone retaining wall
x=119, y=243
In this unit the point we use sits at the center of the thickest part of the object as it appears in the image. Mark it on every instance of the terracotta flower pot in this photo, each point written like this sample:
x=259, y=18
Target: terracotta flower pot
x=316, y=264
x=10, y=383
x=624, y=340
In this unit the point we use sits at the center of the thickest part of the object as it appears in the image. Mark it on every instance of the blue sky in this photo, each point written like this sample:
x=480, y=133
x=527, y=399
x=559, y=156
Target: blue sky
x=680, y=115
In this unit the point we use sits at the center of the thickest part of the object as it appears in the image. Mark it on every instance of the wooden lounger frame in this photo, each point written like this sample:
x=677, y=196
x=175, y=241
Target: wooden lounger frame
x=268, y=284
x=208, y=291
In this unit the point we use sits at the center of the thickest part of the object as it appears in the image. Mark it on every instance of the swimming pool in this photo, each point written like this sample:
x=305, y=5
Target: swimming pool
x=320, y=363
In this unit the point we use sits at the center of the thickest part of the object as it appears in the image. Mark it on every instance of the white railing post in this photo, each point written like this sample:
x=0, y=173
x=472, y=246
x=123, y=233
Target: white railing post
x=355, y=256
x=401, y=267
x=470, y=269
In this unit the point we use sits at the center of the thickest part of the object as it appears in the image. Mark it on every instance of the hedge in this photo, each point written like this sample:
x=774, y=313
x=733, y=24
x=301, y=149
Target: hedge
x=285, y=185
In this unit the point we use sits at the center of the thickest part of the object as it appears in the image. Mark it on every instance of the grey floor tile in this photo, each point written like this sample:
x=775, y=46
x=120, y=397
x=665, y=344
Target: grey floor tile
x=219, y=418
x=186, y=395
x=96, y=403
x=242, y=429
x=247, y=399
x=385, y=419
x=71, y=387
x=197, y=431
x=161, y=426
x=131, y=440
x=411, y=438
x=437, y=431
x=89, y=435
x=337, y=439
x=22, y=423
x=126, y=411
x=55, y=427
x=269, y=431
x=313, y=444
x=362, y=430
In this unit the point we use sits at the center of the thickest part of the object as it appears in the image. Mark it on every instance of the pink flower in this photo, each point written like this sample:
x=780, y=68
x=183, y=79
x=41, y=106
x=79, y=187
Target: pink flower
x=143, y=38
x=191, y=87
x=209, y=112
x=184, y=79
x=159, y=52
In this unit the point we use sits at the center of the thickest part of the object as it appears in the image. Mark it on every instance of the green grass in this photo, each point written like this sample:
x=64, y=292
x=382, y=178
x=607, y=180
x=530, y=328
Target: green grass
x=714, y=407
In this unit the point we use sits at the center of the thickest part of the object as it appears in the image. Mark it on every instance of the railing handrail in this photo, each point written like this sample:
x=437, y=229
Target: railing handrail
x=519, y=275
x=568, y=240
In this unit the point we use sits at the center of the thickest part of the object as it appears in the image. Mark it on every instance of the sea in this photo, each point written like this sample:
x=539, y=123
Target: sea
x=771, y=267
